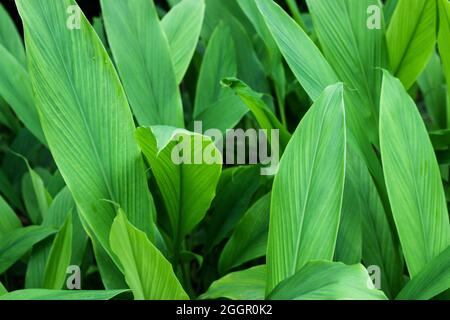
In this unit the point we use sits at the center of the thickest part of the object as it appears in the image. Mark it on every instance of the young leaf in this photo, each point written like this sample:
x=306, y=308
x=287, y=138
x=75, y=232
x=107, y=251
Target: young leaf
x=86, y=118
x=412, y=176
x=248, y=284
x=59, y=257
x=249, y=239
x=149, y=275
x=187, y=188
x=182, y=26
x=431, y=281
x=411, y=38
x=307, y=191
x=142, y=56
x=321, y=280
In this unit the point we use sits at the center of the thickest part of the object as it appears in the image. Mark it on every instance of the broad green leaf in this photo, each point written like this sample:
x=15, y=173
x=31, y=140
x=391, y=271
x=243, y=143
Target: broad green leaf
x=389, y=9
x=321, y=280
x=8, y=219
x=188, y=182
x=10, y=38
x=444, y=48
x=355, y=51
x=92, y=137
x=234, y=193
x=307, y=191
x=14, y=244
x=432, y=85
x=59, y=257
x=182, y=26
x=16, y=89
x=142, y=56
x=254, y=101
x=45, y=294
x=413, y=179
x=248, y=284
x=431, y=281
x=411, y=38
x=149, y=275
x=301, y=54
x=249, y=239
x=213, y=100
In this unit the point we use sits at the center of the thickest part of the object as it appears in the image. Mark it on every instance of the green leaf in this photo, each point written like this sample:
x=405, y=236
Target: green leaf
x=432, y=85
x=440, y=139
x=142, y=56
x=249, y=239
x=16, y=89
x=212, y=100
x=355, y=51
x=92, y=137
x=321, y=280
x=411, y=38
x=10, y=37
x=444, y=49
x=8, y=219
x=432, y=280
x=3, y=290
x=187, y=188
x=307, y=191
x=14, y=244
x=44, y=294
x=182, y=26
x=378, y=245
x=412, y=176
x=149, y=275
x=59, y=257
x=254, y=101
x=36, y=197
x=248, y=284
x=304, y=58
x=234, y=193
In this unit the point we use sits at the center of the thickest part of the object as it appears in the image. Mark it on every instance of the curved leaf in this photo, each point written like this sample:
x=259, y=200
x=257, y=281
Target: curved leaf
x=45, y=294
x=319, y=280
x=413, y=178
x=182, y=26
x=149, y=275
x=307, y=191
x=249, y=239
x=411, y=38
x=8, y=218
x=248, y=284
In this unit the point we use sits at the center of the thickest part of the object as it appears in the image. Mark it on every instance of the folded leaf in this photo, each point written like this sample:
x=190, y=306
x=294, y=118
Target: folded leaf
x=413, y=179
x=320, y=280
x=411, y=38
x=143, y=59
x=307, y=191
x=86, y=118
x=149, y=275
x=187, y=184
x=248, y=284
